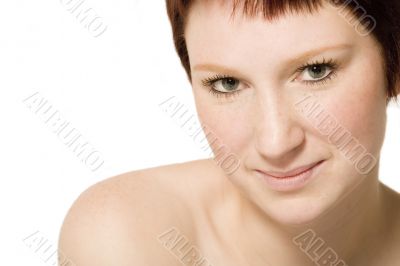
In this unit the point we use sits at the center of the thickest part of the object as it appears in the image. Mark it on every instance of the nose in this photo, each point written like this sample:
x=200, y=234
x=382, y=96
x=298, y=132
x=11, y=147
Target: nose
x=278, y=133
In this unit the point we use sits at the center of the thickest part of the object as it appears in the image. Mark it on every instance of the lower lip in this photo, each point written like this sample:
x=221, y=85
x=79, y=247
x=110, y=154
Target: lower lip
x=296, y=182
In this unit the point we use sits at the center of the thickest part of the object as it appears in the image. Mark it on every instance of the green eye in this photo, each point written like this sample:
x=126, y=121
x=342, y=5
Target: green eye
x=229, y=84
x=224, y=86
x=317, y=71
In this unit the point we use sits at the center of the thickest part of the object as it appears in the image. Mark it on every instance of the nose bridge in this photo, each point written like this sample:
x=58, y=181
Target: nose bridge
x=277, y=130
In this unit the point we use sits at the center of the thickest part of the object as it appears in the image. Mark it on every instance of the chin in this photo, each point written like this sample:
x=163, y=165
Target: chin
x=299, y=210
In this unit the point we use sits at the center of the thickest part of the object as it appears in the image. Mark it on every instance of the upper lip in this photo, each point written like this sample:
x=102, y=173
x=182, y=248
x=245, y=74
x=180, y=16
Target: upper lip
x=291, y=173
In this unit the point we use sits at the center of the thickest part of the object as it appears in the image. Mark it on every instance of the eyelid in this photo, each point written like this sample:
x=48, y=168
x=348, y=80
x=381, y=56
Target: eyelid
x=211, y=81
x=329, y=72
x=217, y=77
x=331, y=63
x=328, y=62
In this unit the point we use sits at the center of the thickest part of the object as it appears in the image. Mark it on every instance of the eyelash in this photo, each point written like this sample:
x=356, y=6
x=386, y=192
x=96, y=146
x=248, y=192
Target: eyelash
x=331, y=64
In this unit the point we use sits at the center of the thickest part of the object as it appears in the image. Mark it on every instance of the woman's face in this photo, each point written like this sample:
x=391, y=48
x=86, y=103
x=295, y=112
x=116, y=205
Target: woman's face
x=267, y=121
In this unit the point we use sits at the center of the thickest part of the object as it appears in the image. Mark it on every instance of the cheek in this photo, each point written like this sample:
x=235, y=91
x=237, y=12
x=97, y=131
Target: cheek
x=360, y=109
x=228, y=123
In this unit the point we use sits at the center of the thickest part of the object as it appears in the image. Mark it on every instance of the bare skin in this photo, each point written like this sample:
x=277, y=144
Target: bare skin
x=119, y=222
x=240, y=219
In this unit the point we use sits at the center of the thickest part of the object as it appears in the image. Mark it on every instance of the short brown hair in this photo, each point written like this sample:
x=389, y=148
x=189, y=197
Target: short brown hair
x=386, y=28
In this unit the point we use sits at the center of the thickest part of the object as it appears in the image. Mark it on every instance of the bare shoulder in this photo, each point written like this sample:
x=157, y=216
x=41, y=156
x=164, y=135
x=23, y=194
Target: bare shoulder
x=121, y=220
x=392, y=209
x=392, y=200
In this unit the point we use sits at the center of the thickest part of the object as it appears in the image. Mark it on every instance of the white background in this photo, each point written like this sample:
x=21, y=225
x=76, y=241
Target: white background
x=109, y=89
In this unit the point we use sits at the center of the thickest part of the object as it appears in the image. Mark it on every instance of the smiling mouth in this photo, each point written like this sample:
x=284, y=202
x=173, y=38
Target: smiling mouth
x=291, y=180
x=292, y=173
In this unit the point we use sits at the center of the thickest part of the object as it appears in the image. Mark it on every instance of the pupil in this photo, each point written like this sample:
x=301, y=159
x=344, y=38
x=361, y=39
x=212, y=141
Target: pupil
x=230, y=83
x=317, y=70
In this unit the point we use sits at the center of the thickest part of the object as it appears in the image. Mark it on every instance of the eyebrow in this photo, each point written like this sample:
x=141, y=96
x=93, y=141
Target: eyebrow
x=300, y=58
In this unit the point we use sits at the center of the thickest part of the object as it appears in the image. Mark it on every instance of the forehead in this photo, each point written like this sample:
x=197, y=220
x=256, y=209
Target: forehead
x=211, y=32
